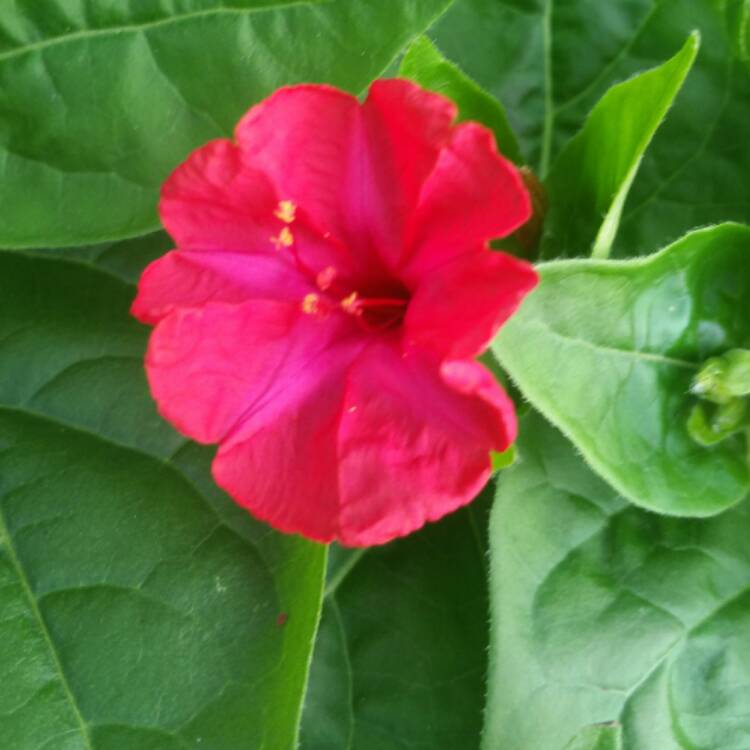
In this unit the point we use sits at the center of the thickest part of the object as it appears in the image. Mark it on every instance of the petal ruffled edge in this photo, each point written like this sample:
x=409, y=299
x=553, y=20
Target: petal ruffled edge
x=458, y=308
x=414, y=442
x=356, y=169
x=190, y=278
x=222, y=371
x=214, y=200
x=472, y=196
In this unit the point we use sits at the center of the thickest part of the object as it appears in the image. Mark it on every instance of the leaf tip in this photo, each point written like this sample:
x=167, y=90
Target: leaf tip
x=694, y=40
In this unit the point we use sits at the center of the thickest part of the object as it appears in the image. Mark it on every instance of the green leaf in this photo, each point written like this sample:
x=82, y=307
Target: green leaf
x=99, y=107
x=600, y=737
x=505, y=459
x=591, y=178
x=550, y=62
x=607, y=351
x=424, y=64
x=604, y=613
x=401, y=656
x=139, y=607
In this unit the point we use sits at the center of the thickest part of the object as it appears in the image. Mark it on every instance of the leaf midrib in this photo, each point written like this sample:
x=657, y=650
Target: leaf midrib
x=611, y=350
x=140, y=27
x=7, y=540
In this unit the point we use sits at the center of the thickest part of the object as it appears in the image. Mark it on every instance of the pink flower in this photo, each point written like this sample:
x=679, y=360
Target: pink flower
x=319, y=319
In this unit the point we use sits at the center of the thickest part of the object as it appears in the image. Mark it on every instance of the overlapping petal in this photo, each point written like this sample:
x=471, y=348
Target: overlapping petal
x=357, y=170
x=192, y=278
x=286, y=471
x=473, y=195
x=215, y=201
x=221, y=371
x=405, y=128
x=457, y=309
x=414, y=441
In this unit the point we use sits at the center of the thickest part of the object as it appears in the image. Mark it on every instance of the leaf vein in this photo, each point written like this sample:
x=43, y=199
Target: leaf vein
x=139, y=27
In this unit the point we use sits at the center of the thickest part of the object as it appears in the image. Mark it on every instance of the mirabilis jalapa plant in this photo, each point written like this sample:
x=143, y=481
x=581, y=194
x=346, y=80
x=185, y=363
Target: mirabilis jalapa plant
x=335, y=269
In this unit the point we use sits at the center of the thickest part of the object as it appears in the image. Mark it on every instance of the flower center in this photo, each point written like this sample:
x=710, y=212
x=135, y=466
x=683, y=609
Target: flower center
x=378, y=310
x=376, y=313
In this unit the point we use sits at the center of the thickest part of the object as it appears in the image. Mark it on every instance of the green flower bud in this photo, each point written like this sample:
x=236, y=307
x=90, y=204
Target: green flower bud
x=709, y=383
x=724, y=421
x=723, y=378
x=737, y=379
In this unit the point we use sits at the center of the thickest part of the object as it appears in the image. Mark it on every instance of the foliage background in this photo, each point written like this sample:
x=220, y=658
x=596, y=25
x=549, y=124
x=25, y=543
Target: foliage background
x=139, y=608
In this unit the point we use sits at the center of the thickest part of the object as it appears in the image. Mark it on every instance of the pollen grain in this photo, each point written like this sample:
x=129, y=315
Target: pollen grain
x=286, y=211
x=311, y=304
x=285, y=239
x=350, y=304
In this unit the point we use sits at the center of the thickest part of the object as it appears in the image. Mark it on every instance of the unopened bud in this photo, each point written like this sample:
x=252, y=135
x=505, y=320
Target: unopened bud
x=723, y=378
x=725, y=421
x=738, y=372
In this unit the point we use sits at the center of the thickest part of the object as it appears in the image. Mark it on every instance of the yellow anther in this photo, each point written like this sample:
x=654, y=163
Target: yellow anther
x=285, y=239
x=325, y=278
x=311, y=304
x=286, y=211
x=349, y=303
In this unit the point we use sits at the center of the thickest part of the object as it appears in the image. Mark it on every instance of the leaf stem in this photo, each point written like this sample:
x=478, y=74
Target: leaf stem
x=343, y=572
x=549, y=103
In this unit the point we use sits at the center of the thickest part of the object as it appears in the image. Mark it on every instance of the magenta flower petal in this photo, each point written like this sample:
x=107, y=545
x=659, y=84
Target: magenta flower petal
x=214, y=201
x=331, y=284
x=414, y=441
x=457, y=309
x=409, y=436
x=472, y=195
x=357, y=170
x=221, y=370
x=192, y=278
x=286, y=473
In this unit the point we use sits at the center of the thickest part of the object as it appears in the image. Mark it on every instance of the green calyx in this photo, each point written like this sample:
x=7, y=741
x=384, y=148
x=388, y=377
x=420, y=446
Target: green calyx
x=724, y=378
x=724, y=382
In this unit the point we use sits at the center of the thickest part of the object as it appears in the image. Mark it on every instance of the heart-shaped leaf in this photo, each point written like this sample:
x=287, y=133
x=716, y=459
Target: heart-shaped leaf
x=604, y=614
x=606, y=350
x=98, y=107
x=401, y=655
x=140, y=609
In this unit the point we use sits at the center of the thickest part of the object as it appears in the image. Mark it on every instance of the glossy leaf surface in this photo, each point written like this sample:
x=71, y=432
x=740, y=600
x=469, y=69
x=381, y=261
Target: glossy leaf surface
x=607, y=350
x=598, y=737
x=590, y=180
x=605, y=614
x=82, y=155
x=550, y=62
x=139, y=607
x=401, y=655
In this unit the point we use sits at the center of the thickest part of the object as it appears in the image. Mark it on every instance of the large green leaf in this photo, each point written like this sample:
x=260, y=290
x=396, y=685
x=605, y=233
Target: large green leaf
x=550, y=62
x=607, y=350
x=98, y=106
x=139, y=607
x=591, y=178
x=424, y=64
x=598, y=737
x=401, y=657
x=604, y=613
